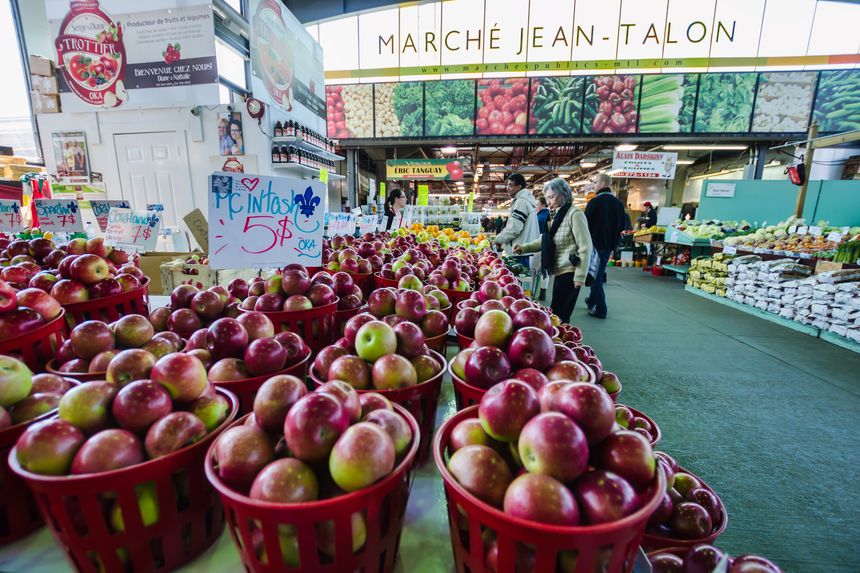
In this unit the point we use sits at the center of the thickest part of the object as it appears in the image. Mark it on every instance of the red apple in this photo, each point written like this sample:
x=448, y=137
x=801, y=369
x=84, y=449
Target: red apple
x=228, y=369
x=571, y=370
x=482, y=472
x=240, y=453
x=184, y=322
x=182, y=295
x=89, y=269
x=69, y=292
x=265, y=356
x=105, y=288
x=207, y=304
x=410, y=339
x=506, y=408
x=410, y=305
x=275, y=398
x=226, y=338
x=91, y=337
x=362, y=455
x=140, y=404
x=466, y=320
x=96, y=246
x=494, y=328
x=393, y=371
x=40, y=301
x=133, y=331
x=541, y=498
x=173, y=432
x=381, y=302
x=48, y=447
x=285, y=481
x=589, y=406
x=603, y=497
x=183, y=376
x=313, y=425
x=690, y=521
x=354, y=324
x=346, y=395
x=627, y=454
x=486, y=366
x=108, y=450
x=352, y=370
x=552, y=444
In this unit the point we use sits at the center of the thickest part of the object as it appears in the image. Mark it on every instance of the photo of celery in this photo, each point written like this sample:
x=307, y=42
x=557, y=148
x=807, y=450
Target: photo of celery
x=725, y=102
x=667, y=103
x=837, y=105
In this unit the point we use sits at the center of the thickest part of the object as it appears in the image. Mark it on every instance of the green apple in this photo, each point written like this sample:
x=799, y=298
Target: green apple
x=15, y=380
x=88, y=405
x=147, y=502
x=374, y=340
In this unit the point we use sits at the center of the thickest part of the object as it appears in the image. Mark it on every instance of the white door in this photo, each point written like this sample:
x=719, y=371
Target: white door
x=153, y=168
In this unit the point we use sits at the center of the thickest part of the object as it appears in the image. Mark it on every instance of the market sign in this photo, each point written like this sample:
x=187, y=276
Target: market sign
x=717, y=189
x=10, y=215
x=114, y=55
x=644, y=164
x=287, y=64
x=132, y=230
x=485, y=39
x=59, y=215
x=341, y=224
x=257, y=221
x=101, y=209
x=424, y=169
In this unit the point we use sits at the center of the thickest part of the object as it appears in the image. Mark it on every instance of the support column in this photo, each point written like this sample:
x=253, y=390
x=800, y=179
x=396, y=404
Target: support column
x=352, y=177
x=760, y=160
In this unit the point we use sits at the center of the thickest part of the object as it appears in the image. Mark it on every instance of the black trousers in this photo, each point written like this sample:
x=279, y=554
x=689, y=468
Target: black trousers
x=564, y=296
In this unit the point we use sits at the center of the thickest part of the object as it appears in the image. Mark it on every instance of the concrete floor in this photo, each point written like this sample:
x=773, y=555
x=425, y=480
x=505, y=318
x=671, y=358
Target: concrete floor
x=765, y=415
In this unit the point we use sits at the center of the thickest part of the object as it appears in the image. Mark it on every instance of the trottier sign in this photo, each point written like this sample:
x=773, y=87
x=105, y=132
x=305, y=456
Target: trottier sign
x=475, y=38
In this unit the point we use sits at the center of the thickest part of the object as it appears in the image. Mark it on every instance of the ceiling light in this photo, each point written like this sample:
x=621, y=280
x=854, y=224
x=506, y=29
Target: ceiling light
x=705, y=147
x=448, y=149
x=626, y=147
x=579, y=183
x=587, y=164
x=684, y=162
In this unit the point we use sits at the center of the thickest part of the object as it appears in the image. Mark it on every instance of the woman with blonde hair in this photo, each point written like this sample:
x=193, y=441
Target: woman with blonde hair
x=565, y=248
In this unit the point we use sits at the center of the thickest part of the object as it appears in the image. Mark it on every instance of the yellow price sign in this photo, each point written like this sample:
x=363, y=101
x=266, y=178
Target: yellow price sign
x=382, y=192
x=324, y=175
x=423, y=195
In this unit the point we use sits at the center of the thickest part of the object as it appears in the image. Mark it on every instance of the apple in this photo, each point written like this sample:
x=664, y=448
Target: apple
x=105, y=288
x=610, y=382
x=182, y=295
x=352, y=370
x=182, y=375
x=297, y=303
x=627, y=454
x=8, y=297
x=285, y=481
x=342, y=283
x=685, y=483
x=108, y=450
x=589, y=406
x=275, y=398
x=127, y=282
x=140, y=404
x=371, y=401
x=393, y=371
x=700, y=495
x=541, y=498
x=381, y=302
x=752, y=564
x=321, y=295
x=133, y=331
x=184, y=322
x=603, y=496
x=325, y=358
x=207, y=304
x=33, y=406
x=257, y=325
x=265, y=356
x=48, y=383
x=494, y=328
x=702, y=558
x=43, y=281
x=666, y=563
x=571, y=370
x=295, y=349
x=690, y=521
x=16, y=276
x=410, y=305
x=97, y=246
x=69, y=292
x=482, y=472
x=466, y=320
x=89, y=269
x=48, y=447
x=16, y=381
x=533, y=317
x=395, y=426
x=173, y=432
x=469, y=432
x=87, y=405
x=376, y=339
x=486, y=366
x=130, y=365
x=240, y=453
x=226, y=338
x=295, y=281
x=410, y=282
x=313, y=425
x=434, y=323
x=426, y=367
x=212, y=409
x=623, y=416
x=506, y=408
x=238, y=288
x=100, y=361
x=531, y=347
x=326, y=534
x=159, y=316
x=229, y=370
x=410, y=339
x=362, y=455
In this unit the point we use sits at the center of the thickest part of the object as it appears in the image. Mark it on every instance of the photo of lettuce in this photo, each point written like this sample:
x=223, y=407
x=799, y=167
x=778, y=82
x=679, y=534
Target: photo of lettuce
x=450, y=107
x=837, y=105
x=725, y=102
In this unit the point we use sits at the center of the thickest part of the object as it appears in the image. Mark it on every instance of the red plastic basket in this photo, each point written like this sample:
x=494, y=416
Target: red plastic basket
x=609, y=547
x=313, y=270
x=456, y=296
x=246, y=390
x=19, y=515
x=420, y=400
x=364, y=282
x=37, y=346
x=438, y=344
x=381, y=282
x=256, y=524
x=315, y=326
x=342, y=316
x=190, y=517
x=463, y=341
x=657, y=433
x=80, y=377
x=109, y=308
x=654, y=541
x=465, y=394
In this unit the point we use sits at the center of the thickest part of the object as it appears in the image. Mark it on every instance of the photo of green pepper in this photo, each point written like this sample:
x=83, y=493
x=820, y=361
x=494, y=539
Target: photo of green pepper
x=556, y=105
x=837, y=105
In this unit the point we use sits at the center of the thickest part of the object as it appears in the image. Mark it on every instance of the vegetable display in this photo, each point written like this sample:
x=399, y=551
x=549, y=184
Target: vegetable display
x=783, y=101
x=450, y=107
x=399, y=109
x=667, y=103
x=503, y=106
x=837, y=106
x=610, y=104
x=349, y=111
x=556, y=105
x=725, y=103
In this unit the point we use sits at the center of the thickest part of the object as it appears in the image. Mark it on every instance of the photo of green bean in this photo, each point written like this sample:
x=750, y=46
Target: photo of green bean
x=556, y=105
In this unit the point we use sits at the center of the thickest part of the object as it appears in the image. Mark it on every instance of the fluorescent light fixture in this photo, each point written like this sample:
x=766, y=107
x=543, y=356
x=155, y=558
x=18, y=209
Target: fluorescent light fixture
x=626, y=147
x=581, y=183
x=448, y=149
x=684, y=162
x=587, y=164
x=705, y=147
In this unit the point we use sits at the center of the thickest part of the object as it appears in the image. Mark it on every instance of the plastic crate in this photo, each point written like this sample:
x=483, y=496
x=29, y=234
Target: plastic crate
x=38, y=346
x=316, y=326
x=109, y=308
x=246, y=390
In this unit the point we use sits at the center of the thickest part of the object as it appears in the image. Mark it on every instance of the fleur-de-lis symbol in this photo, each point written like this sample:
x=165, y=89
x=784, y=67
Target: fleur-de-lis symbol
x=308, y=202
x=15, y=208
x=73, y=207
x=153, y=220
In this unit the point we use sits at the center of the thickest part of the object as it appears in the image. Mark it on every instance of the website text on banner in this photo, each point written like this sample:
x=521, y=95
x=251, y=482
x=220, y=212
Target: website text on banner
x=257, y=221
x=10, y=215
x=59, y=215
x=132, y=230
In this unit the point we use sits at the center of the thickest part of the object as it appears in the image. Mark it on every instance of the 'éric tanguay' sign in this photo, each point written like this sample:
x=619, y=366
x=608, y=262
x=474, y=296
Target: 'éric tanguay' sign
x=425, y=169
x=257, y=221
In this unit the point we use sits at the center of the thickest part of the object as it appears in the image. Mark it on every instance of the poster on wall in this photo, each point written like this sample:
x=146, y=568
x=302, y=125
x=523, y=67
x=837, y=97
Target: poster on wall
x=70, y=153
x=230, y=138
x=234, y=163
x=286, y=64
x=112, y=54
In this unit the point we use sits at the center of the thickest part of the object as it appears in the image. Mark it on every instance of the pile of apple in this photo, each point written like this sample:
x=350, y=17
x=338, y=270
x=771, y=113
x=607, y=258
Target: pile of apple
x=23, y=396
x=341, y=256
x=411, y=302
x=687, y=510
x=191, y=309
x=102, y=426
x=704, y=558
x=374, y=354
x=301, y=446
x=292, y=290
x=625, y=418
x=552, y=456
x=22, y=311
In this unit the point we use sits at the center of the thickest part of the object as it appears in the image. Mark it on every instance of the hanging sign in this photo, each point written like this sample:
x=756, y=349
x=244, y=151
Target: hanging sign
x=720, y=189
x=341, y=224
x=425, y=169
x=133, y=230
x=644, y=164
x=59, y=215
x=257, y=221
x=10, y=215
x=102, y=208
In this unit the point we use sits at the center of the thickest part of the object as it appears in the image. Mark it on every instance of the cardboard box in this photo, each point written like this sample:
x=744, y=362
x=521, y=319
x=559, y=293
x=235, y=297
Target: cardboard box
x=46, y=85
x=41, y=66
x=44, y=103
x=150, y=264
x=201, y=276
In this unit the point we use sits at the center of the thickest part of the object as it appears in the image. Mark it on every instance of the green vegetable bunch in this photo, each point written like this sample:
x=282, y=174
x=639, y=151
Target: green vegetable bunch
x=450, y=107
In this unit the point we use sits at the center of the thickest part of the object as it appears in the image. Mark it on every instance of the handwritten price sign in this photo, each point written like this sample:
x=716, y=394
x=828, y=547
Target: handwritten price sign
x=132, y=230
x=368, y=224
x=341, y=224
x=257, y=221
x=10, y=215
x=59, y=215
x=102, y=208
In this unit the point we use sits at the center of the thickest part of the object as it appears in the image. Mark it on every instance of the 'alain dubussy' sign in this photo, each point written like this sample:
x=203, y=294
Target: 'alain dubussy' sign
x=257, y=221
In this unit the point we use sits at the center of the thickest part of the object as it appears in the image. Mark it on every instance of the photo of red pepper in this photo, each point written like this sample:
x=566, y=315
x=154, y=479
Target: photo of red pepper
x=503, y=106
x=610, y=104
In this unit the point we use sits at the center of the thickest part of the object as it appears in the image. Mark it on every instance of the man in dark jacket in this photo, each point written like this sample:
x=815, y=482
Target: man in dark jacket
x=605, y=214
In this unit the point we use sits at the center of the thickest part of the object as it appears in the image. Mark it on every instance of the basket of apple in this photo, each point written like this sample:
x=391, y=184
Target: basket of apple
x=689, y=512
x=119, y=470
x=192, y=309
x=395, y=361
x=359, y=262
x=538, y=485
x=522, y=311
x=294, y=302
x=350, y=303
x=32, y=325
x=706, y=558
x=422, y=305
x=314, y=481
x=24, y=399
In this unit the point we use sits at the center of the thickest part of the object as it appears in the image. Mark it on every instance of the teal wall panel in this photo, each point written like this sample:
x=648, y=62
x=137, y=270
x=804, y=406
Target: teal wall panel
x=838, y=203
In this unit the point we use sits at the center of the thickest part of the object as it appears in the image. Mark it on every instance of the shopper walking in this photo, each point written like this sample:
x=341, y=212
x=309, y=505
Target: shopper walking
x=605, y=214
x=565, y=248
x=395, y=205
x=522, y=205
x=542, y=213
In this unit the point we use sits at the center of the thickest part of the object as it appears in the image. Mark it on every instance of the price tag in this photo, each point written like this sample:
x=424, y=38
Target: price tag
x=802, y=230
x=341, y=224
x=132, y=229
x=423, y=195
x=382, y=192
x=834, y=237
x=102, y=208
x=368, y=224
x=730, y=250
x=324, y=175
x=846, y=230
x=59, y=215
x=157, y=207
x=673, y=238
x=471, y=201
x=792, y=230
x=815, y=231
x=10, y=216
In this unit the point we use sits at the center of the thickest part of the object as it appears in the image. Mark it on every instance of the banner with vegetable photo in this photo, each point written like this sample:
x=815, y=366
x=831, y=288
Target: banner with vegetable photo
x=556, y=105
x=667, y=103
x=837, y=105
x=450, y=107
x=725, y=102
x=783, y=101
x=399, y=109
x=349, y=111
x=502, y=106
x=610, y=104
